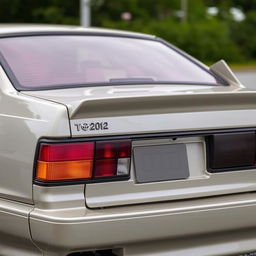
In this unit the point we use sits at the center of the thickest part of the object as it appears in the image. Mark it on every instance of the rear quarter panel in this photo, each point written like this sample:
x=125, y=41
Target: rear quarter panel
x=23, y=120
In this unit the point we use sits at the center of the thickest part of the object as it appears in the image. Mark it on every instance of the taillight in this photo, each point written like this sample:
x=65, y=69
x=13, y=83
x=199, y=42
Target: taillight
x=112, y=158
x=89, y=161
x=230, y=151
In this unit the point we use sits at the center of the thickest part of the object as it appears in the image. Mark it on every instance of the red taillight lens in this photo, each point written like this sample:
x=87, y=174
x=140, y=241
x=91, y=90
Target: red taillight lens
x=124, y=149
x=83, y=160
x=66, y=152
x=105, y=168
x=108, y=156
x=113, y=149
x=106, y=149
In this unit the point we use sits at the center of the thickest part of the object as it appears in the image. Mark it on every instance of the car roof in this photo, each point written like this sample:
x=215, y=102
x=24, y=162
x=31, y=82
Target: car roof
x=7, y=30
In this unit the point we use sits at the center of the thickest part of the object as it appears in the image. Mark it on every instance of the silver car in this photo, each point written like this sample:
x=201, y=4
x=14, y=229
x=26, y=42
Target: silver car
x=118, y=143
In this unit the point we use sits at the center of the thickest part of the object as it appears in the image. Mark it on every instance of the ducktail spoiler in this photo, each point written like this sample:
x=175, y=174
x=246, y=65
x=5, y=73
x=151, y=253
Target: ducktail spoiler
x=112, y=107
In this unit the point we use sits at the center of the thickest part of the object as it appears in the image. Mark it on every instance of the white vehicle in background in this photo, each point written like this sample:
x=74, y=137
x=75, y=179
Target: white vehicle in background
x=117, y=143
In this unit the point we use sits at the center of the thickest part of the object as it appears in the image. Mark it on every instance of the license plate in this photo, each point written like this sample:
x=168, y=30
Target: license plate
x=161, y=163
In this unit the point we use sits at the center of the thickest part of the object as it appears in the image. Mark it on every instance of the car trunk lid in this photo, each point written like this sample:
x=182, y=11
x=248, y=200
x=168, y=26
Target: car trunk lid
x=147, y=109
x=160, y=118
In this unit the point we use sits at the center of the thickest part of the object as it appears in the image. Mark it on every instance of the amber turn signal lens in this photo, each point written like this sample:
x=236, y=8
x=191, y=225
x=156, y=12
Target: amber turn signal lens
x=66, y=170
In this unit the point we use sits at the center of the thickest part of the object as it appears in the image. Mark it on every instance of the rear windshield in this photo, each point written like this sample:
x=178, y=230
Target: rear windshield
x=74, y=60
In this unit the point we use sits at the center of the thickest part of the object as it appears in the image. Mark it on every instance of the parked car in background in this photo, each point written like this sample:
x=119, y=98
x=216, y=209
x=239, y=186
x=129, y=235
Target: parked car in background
x=118, y=143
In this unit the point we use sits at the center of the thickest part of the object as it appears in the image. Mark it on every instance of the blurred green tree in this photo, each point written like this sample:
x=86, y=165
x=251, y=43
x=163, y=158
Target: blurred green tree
x=244, y=35
x=39, y=11
x=206, y=37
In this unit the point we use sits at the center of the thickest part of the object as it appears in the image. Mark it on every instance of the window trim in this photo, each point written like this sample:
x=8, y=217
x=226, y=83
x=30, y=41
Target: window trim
x=20, y=87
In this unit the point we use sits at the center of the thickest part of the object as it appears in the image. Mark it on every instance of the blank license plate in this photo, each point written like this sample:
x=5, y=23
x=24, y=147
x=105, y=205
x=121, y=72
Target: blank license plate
x=161, y=163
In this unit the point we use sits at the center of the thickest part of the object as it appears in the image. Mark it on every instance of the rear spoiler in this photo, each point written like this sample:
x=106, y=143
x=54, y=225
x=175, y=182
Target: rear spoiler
x=222, y=69
x=126, y=106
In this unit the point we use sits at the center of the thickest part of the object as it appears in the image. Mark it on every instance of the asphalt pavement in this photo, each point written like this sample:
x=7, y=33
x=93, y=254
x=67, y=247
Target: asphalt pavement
x=247, y=78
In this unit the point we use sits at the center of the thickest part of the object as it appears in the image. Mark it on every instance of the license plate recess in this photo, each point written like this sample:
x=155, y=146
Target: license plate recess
x=161, y=163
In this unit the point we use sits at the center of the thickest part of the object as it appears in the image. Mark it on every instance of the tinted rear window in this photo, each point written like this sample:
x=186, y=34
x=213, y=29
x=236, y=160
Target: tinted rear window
x=51, y=61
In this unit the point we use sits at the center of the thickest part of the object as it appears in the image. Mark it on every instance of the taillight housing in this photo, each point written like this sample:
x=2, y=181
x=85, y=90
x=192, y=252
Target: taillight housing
x=89, y=161
x=231, y=151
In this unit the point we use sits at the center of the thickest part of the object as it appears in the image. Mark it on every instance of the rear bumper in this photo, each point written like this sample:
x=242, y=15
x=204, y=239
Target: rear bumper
x=132, y=226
